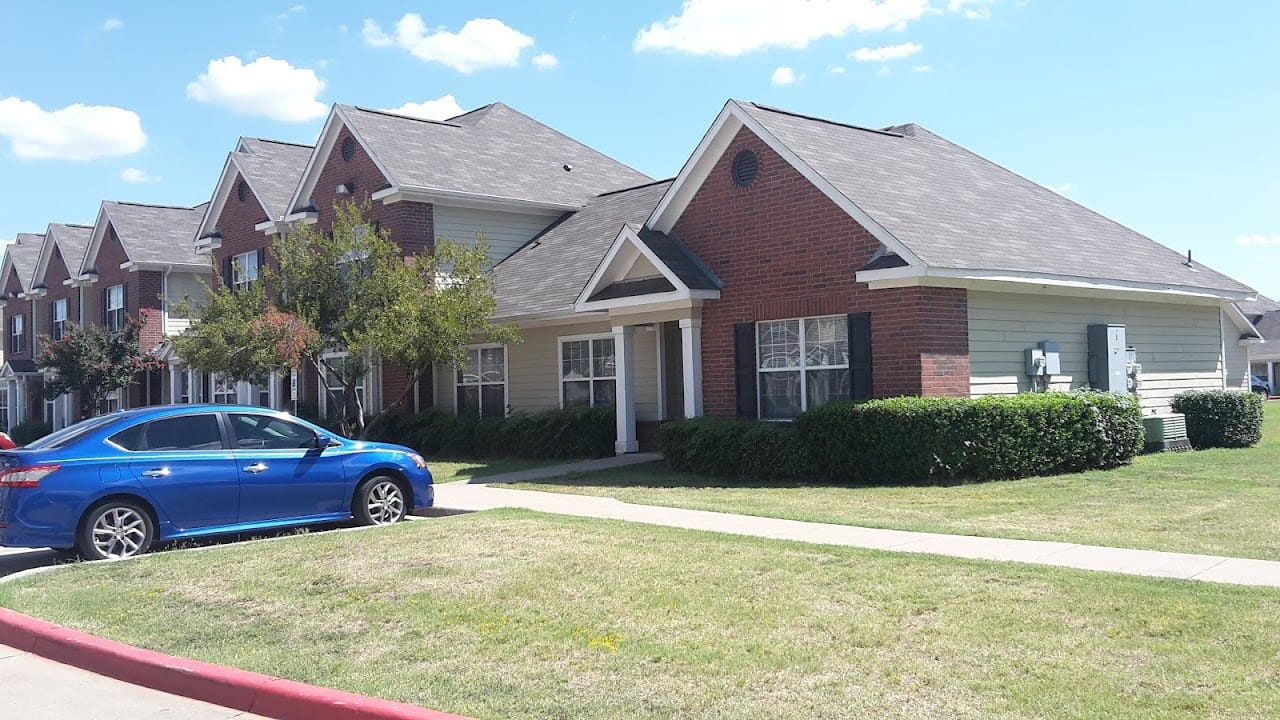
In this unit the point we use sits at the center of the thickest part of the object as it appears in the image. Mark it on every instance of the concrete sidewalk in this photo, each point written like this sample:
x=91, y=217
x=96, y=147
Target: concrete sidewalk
x=465, y=497
x=33, y=687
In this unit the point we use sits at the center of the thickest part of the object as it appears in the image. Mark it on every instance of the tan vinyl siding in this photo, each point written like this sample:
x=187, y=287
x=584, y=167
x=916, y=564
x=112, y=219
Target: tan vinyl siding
x=505, y=232
x=180, y=286
x=1179, y=346
x=1236, y=355
x=533, y=370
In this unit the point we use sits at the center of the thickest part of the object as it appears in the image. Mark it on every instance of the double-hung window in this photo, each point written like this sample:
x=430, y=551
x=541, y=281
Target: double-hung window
x=58, y=319
x=224, y=390
x=115, y=308
x=802, y=363
x=587, y=371
x=244, y=270
x=335, y=370
x=17, y=334
x=482, y=384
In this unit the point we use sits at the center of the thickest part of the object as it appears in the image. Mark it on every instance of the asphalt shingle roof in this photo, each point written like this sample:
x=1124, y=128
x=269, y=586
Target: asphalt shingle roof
x=273, y=169
x=72, y=240
x=680, y=260
x=494, y=151
x=956, y=210
x=24, y=252
x=157, y=233
x=548, y=273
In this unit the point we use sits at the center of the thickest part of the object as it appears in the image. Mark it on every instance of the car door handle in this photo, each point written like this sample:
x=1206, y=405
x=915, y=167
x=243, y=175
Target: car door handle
x=255, y=468
x=156, y=472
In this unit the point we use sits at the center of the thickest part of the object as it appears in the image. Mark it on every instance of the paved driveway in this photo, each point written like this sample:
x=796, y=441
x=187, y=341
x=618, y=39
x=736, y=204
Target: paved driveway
x=14, y=560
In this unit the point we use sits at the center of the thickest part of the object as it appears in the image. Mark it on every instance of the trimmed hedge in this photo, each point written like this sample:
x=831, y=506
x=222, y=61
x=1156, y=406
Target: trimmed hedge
x=917, y=439
x=554, y=434
x=29, y=431
x=1221, y=418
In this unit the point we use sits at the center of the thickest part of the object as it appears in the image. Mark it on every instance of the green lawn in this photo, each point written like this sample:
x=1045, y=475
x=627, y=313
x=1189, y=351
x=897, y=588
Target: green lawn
x=443, y=471
x=511, y=614
x=1219, y=502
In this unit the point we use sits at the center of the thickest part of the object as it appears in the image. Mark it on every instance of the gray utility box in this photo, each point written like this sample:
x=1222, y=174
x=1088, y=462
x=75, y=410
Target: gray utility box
x=1107, y=358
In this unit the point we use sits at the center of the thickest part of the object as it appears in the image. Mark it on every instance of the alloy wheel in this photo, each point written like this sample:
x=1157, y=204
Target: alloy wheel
x=119, y=532
x=386, y=503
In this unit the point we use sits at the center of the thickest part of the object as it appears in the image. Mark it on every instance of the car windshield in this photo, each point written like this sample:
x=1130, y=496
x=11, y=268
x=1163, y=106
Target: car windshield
x=70, y=433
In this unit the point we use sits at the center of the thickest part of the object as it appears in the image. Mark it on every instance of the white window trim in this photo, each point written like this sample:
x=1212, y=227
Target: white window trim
x=506, y=374
x=112, y=308
x=228, y=387
x=802, y=368
x=240, y=279
x=18, y=329
x=560, y=341
x=323, y=384
x=59, y=325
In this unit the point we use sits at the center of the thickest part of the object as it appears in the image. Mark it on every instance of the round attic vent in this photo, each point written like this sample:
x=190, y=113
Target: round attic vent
x=746, y=166
x=348, y=149
x=242, y=191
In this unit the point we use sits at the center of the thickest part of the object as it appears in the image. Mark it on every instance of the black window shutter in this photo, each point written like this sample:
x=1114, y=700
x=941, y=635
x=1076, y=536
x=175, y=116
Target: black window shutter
x=744, y=366
x=105, y=295
x=262, y=260
x=124, y=298
x=860, y=355
x=226, y=271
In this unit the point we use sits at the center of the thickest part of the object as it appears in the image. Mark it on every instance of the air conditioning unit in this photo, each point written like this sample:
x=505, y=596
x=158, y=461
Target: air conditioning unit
x=1166, y=432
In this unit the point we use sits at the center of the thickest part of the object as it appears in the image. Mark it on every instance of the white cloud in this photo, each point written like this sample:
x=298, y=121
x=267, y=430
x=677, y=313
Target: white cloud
x=971, y=9
x=546, y=61
x=836, y=70
x=343, y=28
x=1062, y=189
x=134, y=175
x=886, y=53
x=1257, y=239
x=442, y=108
x=112, y=24
x=293, y=10
x=922, y=68
x=884, y=70
x=735, y=27
x=76, y=132
x=785, y=76
x=266, y=86
x=481, y=43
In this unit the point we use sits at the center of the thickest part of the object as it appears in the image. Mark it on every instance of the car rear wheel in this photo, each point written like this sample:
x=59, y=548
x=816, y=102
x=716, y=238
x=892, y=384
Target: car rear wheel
x=380, y=500
x=116, y=529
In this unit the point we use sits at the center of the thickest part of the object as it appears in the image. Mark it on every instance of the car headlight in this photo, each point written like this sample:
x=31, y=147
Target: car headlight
x=417, y=460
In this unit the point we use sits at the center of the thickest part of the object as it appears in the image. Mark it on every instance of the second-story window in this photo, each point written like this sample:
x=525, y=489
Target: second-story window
x=244, y=270
x=113, y=308
x=58, y=319
x=17, y=334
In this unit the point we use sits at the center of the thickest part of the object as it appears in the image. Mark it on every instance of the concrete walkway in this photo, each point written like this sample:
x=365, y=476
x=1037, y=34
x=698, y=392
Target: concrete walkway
x=557, y=471
x=33, y=687
x=465, y=497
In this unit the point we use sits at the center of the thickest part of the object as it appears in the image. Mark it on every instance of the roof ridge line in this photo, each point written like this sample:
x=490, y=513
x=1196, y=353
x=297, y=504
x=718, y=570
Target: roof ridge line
x=635, y=187
x=279, y=142
x=152, y=205
x=828, y=121
x=389, y=113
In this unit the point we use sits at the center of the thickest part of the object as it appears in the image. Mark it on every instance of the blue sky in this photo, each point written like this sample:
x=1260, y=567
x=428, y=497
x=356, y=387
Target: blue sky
x=1159, y=115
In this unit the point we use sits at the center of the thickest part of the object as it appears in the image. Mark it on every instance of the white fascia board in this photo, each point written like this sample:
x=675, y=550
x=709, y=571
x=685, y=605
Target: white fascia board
x=476, y=201
x=200, y=268
x=1012, y=281
x=219, y=199
x=95, y=240
x=1240, y=320
x=650, y=301
x=627, y=236
x=46, y=254
x=306, y=218
x=311, y=173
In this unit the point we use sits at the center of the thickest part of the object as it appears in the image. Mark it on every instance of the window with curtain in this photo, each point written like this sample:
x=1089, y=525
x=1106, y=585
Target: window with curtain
x=588, y=372
x=482, y=384
x=801, y=363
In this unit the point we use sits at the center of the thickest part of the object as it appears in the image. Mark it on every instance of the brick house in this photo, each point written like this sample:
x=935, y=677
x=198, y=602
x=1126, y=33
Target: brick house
x=55, y=302
x=18, y=376
x=247, y=211
x=492, y=171
x=141, y=259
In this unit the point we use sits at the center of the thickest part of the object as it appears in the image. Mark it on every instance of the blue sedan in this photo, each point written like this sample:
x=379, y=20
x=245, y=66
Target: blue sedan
x=110, y=486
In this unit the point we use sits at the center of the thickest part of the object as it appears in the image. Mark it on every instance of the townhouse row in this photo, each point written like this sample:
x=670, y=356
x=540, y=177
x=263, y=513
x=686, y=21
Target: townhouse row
x=792, y=261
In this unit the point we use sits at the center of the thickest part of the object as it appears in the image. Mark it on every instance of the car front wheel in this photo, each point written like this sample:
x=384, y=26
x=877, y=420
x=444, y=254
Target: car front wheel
x=117, y=529
x=380, y=501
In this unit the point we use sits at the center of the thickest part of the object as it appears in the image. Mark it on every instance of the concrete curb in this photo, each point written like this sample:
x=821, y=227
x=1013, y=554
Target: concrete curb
x=237, y=689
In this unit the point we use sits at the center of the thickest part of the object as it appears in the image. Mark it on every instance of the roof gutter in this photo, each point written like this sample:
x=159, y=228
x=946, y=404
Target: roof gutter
x=473, y=200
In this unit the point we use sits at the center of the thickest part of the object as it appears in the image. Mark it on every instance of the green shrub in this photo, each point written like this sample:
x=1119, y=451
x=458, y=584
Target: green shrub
x=29, y=431
x=1221, y=418
x=734, y=449
x=917, y=439
x=553, y=434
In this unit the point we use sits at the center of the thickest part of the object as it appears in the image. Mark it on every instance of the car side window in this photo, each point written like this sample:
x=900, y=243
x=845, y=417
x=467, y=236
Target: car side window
x=129, y=438
x=184, y=432
x=265, y=432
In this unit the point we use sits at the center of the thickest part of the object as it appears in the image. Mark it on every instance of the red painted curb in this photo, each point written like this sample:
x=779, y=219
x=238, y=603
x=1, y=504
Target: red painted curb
x=238, y=689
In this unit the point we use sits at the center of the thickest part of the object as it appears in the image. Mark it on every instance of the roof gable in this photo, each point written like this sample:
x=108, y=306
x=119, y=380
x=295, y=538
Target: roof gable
x=492, y=154
x=20, y=258
x=270, y=170
x=71, y=242
x=148, y=234
x=948, y=213
x=644, y=266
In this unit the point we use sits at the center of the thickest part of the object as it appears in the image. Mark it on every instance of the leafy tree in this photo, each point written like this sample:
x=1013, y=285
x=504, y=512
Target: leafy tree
x=351, y=290
x=95, y=361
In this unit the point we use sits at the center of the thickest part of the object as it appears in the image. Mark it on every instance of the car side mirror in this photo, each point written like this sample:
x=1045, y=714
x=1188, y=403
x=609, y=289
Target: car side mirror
x=323, y=441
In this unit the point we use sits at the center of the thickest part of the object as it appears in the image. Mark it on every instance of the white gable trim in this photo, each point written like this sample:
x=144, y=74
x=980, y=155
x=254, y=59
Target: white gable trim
x=320, y=154
x=95, y=242
x=230, y=170
x=46, y=255
x=625, y=250
x=695, y=171
x=1024, y=282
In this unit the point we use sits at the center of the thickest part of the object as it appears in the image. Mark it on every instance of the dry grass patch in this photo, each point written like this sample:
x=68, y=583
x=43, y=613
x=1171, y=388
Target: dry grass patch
x=518, y=615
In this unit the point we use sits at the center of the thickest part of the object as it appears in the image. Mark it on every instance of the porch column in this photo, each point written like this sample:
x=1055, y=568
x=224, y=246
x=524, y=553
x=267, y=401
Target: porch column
x=12, y=412
x=691, y=349
x=175, y=384
x=624, y=351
